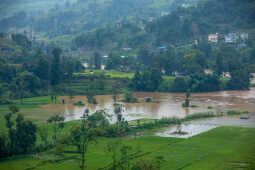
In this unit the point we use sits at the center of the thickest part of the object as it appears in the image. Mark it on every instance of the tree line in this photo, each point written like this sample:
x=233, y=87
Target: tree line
x=38, y=77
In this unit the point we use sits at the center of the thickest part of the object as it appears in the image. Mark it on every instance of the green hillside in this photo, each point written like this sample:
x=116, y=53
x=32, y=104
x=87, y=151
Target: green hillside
x=54, y=21
x=182, y=26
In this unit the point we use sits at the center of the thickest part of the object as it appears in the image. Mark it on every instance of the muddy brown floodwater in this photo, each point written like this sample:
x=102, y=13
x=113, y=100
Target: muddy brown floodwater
x=162, y=105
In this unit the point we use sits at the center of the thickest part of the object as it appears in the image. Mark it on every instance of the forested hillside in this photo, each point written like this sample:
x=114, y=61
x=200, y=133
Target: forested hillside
x=56, y=18
x=180, y=27
x=56, y=22
x=210, y=17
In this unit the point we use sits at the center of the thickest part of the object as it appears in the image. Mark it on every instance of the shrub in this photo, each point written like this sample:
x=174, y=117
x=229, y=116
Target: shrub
x=186, y=103
x=199, y=116
x=79, y=103
x=210, y=107
x=235, y=112
x=128, y=98
x=148, y=100
x=91, y=99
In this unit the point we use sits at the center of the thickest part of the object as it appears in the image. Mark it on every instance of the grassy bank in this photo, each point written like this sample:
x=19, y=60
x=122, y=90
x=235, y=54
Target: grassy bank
x=221, y=148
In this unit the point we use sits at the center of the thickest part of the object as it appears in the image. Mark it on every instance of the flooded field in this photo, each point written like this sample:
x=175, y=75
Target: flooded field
x=196, y=127
x=187, y=130
x=162, y=105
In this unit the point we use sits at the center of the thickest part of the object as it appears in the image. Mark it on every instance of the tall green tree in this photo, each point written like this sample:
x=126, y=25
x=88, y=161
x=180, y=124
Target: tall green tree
x=148, y=80
x=43, y=69
x=25, y=134
x=29, y=81
x=144, y=56
x=84, y=135
x=240, y=77
x=21, y=40
x=58, y=124
x=179, y=85
x=22, y=134
x=97, y=60
x=194, y=62
x=219, y=65
x=56, y=71
x=70, y=68
x=137, y=81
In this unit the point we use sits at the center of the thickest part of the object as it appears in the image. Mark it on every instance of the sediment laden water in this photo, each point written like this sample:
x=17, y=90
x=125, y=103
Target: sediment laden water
x=162, y=105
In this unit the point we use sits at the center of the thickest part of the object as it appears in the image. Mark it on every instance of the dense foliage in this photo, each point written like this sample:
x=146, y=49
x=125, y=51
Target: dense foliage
x=35, y=74
x=180, y=27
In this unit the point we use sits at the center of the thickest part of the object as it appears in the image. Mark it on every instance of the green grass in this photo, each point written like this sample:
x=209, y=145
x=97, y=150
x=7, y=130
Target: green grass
x=235, y=112
x=108, y=73
x=169, y=78
x=26, y=108
x=80, y=86
x=141, y=121
x=221, y=148
x=193, y=106
x=79, y=103
x=210, y=107
x=116, y=74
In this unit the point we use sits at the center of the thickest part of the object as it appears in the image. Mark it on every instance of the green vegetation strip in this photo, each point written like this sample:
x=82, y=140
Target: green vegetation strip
x=235, y=112
x=221, y=148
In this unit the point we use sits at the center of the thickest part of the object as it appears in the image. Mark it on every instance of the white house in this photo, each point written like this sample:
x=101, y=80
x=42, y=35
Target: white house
x=85, y=64
x=231, y=38
x=208, y=71
x=226, y=74
x=126, y=49
x=213, y=37
x=244, y=36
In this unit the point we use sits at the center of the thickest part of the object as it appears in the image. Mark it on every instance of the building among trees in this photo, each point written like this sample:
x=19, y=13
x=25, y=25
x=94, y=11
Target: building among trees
x=213, y=38
x=231, y=38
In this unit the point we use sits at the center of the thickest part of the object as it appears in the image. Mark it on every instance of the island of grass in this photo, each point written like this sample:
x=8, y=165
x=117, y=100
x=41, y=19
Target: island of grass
x=129, y=98
x=79, y=103
x=236, y=112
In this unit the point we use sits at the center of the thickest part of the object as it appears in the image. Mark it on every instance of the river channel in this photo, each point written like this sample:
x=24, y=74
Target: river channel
x=162, y=105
